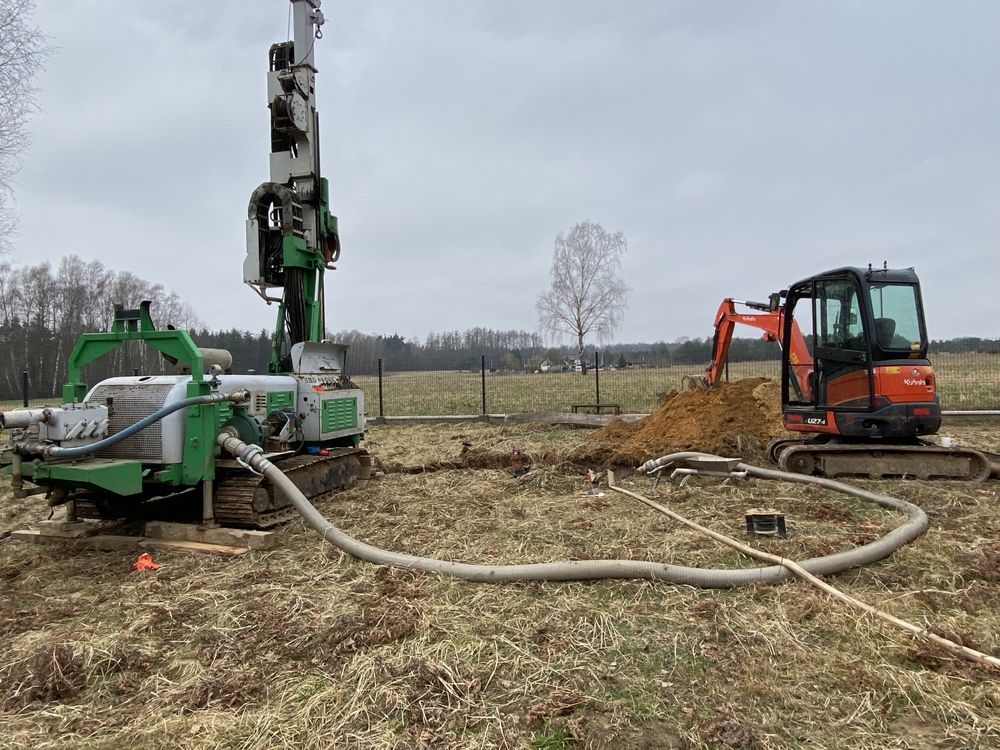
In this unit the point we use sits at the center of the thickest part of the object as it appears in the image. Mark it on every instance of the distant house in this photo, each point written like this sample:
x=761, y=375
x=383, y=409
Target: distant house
x=545, y=366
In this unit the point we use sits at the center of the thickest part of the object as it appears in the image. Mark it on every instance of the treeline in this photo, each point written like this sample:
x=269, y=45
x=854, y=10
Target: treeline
x=43, y=311
x=511, y=351
x=696, y=351
x=967, y=344
x=450, y=350
x=464, y=350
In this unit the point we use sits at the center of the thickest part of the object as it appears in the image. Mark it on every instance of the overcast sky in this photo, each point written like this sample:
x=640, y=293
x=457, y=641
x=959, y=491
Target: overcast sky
x=739, y=146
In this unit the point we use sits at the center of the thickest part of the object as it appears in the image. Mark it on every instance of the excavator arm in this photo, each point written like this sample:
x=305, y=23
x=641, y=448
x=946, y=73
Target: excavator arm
x=771, y=322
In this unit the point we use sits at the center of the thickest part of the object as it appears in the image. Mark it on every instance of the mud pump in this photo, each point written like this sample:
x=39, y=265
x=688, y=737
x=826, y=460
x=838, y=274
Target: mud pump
x=127, y=444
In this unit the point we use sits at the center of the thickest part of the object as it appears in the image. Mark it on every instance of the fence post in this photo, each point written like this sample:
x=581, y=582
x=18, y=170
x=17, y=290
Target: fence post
x=24, y=387
x=482, y=371
x=381, y=409
x=597, y=377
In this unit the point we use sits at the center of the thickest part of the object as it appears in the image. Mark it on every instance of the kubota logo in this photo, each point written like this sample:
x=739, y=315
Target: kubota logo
x=914, y=381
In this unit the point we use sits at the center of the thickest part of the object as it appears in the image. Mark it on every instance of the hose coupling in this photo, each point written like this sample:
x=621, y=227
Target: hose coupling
x=36, y=449
x=249, y=453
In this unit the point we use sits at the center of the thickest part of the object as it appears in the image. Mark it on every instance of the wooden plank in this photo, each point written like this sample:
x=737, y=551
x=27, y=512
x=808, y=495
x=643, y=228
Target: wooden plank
x=106, y=542
x=201, y=548
x=118, y=543
x=186, y=532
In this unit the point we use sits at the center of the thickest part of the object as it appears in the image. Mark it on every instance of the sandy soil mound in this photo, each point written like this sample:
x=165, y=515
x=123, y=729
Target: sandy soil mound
x=734, y=419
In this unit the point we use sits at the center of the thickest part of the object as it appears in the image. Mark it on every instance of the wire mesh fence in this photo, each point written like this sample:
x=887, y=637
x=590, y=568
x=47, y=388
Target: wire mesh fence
x=964, y=381
x=967, y=381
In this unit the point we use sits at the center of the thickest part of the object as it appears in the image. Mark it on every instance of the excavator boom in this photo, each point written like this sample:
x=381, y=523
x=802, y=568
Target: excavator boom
x=771, y=322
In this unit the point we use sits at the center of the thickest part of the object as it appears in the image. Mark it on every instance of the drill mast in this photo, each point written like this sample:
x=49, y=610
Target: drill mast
x=292, y=237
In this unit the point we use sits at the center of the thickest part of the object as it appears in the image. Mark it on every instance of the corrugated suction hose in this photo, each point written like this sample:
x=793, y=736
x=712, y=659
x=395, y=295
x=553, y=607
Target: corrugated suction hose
x=583, y=570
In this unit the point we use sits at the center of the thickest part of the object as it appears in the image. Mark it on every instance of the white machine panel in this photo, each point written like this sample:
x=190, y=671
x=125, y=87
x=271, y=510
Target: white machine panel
x=74, y=424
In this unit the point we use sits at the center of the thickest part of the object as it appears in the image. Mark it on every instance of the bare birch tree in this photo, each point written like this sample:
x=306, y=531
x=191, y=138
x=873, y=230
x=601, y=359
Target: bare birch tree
x=587, y=294
x=22, y=53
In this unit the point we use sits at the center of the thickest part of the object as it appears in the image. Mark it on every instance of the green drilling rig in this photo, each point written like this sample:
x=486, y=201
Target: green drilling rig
x=131, y=446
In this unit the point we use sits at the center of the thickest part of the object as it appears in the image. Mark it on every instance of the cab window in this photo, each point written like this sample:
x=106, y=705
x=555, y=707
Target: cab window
x=839, y=323
x=897, y=321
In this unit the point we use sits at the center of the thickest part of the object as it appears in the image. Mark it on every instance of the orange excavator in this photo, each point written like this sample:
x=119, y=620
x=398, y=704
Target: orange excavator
x=854, y=376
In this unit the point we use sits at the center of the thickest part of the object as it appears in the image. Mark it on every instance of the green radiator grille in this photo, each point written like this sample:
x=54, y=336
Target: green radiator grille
x=339, y=414
x=280, y=401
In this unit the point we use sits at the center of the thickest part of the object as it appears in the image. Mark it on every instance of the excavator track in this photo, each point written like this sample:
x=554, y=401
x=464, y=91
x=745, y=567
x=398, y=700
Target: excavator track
x=884, y=461
x=242, y=498
x=249, y=500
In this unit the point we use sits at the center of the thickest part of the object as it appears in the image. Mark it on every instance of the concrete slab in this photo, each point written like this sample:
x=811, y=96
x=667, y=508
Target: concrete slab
x=578, y=420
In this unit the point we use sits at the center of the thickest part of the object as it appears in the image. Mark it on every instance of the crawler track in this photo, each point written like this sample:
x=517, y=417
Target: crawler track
x=882, y=461
x=242, y=498
x=249, y=500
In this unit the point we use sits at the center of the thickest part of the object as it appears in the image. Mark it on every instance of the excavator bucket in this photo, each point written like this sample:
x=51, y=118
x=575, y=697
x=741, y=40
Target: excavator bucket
x=694, y=383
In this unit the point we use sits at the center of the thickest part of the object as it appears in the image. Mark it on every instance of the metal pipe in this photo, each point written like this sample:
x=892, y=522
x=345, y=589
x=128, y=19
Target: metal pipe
x=482, y=378
x=597, y=379
x=208, y=503
x=580, y=570
x=381, y=405
x=20, y=418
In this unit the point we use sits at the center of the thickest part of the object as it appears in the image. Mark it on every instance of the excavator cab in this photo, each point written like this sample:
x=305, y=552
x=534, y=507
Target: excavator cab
x=862, y=369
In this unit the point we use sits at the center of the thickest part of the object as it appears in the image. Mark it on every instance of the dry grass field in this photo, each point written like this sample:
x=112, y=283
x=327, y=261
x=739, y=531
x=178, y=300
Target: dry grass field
x=964, y=381
x=300, y=647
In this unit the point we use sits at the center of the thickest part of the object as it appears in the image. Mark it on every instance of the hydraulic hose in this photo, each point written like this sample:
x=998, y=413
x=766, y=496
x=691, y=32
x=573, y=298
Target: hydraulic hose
x=581, y=570
x=57, y=451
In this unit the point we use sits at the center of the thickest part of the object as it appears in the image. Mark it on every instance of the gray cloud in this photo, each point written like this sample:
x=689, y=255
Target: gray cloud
x=739, y=146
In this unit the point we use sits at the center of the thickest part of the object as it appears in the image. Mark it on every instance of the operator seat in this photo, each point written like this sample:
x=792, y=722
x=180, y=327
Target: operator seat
x=885, y=329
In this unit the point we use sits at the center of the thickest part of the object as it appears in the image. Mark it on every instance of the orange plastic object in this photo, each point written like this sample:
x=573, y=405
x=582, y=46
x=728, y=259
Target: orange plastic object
x=144, y=562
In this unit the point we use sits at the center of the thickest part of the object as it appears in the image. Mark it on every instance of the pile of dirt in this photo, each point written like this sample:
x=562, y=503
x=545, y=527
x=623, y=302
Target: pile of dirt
x=732, y=419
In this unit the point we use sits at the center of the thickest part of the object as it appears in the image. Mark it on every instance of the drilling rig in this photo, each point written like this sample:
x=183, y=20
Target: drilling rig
x=132, y=444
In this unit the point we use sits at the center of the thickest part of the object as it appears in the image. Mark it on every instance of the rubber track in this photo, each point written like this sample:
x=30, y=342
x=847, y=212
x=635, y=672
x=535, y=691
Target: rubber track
x=885, y=461
x=234, y=494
